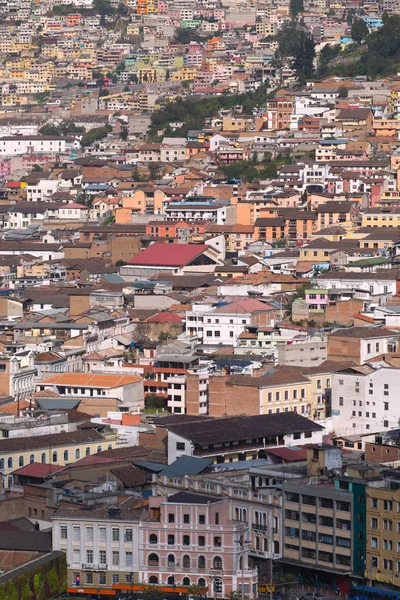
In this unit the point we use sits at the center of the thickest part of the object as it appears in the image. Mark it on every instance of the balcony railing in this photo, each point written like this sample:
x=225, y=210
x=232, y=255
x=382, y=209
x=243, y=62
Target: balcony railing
x=94, y=567
x=258, y=527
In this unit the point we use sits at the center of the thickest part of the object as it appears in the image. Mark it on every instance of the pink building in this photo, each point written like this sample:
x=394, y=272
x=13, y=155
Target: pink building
x=316, y=299
x=5, y=168
x=190, y=540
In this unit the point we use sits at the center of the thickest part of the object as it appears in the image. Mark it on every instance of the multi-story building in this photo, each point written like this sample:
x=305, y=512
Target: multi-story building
x=324, y=525
x=101, y=546
x=190, y=539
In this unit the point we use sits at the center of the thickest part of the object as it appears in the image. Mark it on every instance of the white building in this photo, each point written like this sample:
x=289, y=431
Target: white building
x=14, y=145
x=364, y=400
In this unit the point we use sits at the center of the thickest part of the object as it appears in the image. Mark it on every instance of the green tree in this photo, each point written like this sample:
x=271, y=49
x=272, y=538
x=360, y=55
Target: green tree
x=50, y=129
x=296, y=7
x=93, y=135
x=343, y=91
x=359, y=30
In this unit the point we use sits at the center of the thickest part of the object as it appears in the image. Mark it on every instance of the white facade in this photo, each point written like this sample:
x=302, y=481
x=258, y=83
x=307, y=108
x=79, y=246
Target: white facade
x=365, y=402
x=11, y=145
x=374, y=285
x=42, y=190
x=216, y=328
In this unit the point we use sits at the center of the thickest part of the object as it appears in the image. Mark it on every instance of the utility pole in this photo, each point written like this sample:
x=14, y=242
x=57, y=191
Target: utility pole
x=271, y=576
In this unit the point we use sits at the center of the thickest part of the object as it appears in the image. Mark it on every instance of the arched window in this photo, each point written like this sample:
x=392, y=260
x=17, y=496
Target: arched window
x=43, y=458
x=276, y=547
x=55, y=457
x=202, y=582
x=153, y=579
x=99, y=448
x=217, y=563
x=171, y=560
x=153, y=560
x=186, y=581
x=21, y=461
x=186, y=562
x=153, y=538
x=32, y=458
x=10, y=463
x=109, y=446
x=66, y=455
x=171, y=580
x=1, y=463
x=87, y=451
x=77, y=454
x=202, y=562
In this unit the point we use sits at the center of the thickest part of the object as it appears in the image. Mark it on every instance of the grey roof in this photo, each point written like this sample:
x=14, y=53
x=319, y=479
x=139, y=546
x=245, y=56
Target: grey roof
x=57, y=404
x=186, y=465
x=150, y=466
x=113, y=278
x=189, y=498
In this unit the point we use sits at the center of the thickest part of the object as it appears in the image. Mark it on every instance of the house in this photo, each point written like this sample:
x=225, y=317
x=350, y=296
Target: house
x=360, y=344
x=97, y=392
x=177, y=259
x=239, y=438
x=223, y=324
x=73, y=212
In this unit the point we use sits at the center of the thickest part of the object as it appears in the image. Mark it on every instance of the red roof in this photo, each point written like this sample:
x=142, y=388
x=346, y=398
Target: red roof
x=290, y=454
x=40, y=470
x=74, y=205
x=13, y=184
x=164, y=317
x=168, y=255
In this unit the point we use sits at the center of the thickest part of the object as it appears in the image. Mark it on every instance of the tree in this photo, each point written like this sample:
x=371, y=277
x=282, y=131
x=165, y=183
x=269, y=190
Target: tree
x=359, y=30
x=343, y=91
x=297, y=43
x=296, y=7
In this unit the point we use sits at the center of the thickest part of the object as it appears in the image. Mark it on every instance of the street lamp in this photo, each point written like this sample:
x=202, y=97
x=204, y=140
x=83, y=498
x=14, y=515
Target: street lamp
x=242, y=547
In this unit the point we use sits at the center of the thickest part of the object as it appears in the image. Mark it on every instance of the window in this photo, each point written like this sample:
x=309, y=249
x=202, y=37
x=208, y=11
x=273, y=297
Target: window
x=54, y=457
x=87, y=451
x=76, y=533
x=341, y=403
x=186, y=518
x=128, y=559
x=171, y=518
x=65, y=455
x=89, y=534
x=387, y=545
x=63, y=532
x=89, y=556
x=128, y=535
x=217, y=518
x=171, y=540
x=153, y=560
x=32, y=458
x=374, y=523
x=186, y=562
x=115, y=558
x=202, y=540
x=202, y=519
x=171, y=560
x=89, y=578
x=180, y=446
x=115, y=579
x=186, y=540
x=76, y=556
x=21, y=461
x=153, y=538
x=217, y=562
x=102, y=579
x=102, y=535
x=77, y=454
x=387, y=524
x=374, y=502
x=115, y=534
x=387, y=505
x=386, y=406
x=103, y=557
x=217, y=541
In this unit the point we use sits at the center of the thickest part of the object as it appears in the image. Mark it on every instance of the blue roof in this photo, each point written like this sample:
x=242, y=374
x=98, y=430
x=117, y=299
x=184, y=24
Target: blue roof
x=186, y=465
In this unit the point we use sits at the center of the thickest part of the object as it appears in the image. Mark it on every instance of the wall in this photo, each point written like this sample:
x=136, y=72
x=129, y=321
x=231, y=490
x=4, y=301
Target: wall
x=42, y=579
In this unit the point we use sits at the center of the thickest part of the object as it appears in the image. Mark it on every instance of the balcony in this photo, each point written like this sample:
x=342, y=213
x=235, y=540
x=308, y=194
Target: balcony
x=258, y=527
x=94, y=567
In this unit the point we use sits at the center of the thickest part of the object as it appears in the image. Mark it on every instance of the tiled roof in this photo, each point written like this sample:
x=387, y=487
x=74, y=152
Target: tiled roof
x=90, y=380
x=168, y=255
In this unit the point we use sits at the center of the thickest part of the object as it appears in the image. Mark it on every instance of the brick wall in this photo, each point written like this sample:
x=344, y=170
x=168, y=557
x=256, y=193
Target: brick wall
x=381, y=453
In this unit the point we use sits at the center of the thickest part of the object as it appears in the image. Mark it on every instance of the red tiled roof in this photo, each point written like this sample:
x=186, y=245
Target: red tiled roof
x=164, y=317
x=168, y=255
x=40, y=470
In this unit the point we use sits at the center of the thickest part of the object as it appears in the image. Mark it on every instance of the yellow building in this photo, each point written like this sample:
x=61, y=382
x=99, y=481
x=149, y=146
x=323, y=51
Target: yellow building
x=376, y=217
x=383, y=526
x=56, y=449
